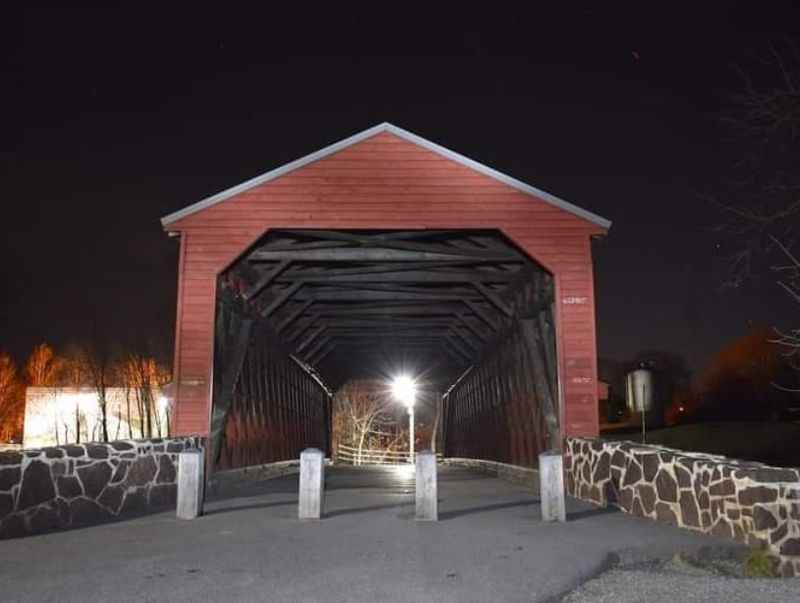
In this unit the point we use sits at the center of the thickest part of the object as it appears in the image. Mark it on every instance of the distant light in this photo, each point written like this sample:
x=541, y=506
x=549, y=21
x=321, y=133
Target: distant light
x=404, y=389
x=680, y=408
x=163, y=403
x=404, y=471
x=68, y=401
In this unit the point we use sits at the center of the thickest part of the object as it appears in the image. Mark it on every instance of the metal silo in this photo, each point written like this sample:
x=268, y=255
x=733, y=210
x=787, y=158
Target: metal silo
x=643, y=399
x=639, y=390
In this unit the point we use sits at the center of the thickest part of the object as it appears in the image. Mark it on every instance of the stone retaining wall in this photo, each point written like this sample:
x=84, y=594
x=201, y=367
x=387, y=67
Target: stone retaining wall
x=80, y=484
x=750, y=502
x=524, y=476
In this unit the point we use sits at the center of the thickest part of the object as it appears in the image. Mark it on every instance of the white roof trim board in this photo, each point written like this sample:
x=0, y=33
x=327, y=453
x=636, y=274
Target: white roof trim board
x=406, y=135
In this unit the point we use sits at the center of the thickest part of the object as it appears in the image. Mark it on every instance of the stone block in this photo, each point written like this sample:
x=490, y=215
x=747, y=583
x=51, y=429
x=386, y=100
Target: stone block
x=166, y=470
x=602, y=470
x=688, y=506
x=13, y=526
x=779, y=534
x=763, y=518
x=141, y=472
x=120, y=472
x=648, y=497
x=586, y=471
x=666, y=487
x=10, y=458
x=650, y=464
x=684, y=477
x=626, y=499
x=135, y=502
x=551, y=487
x=6, y=504
x=68, y=486
x=665, y=513
x=84, y=512
x=74, y=451
x=637, y=508
x=112, y=497
x=312, y=484
x=618, y=459
x=62, y=508
x=757, y=494
x=94, y=478
x=776, y=474
x=44, y=520
x=9, y=477
x=791, y=546
x=37, y=485
x=164, y=495
x=427, y=501
x=633, y=473
x=97, y=451
x=722, y=528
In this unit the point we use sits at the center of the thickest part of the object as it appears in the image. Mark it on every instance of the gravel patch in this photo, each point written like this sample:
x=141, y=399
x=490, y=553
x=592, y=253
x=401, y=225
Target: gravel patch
x=710, y=575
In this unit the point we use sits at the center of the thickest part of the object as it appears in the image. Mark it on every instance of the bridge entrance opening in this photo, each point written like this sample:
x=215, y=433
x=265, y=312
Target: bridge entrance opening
x=303, y=313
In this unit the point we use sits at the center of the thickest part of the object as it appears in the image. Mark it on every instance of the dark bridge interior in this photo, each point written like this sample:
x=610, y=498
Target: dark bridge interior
x=304, y=311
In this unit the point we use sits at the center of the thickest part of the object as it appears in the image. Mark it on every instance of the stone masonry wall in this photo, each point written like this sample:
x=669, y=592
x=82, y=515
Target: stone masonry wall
x=79, y=484
x=750, y=502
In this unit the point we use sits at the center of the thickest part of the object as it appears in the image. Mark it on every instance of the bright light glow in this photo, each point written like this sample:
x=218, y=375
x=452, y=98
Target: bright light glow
x=404, y=389
x=68, y=402
x=404, y=471
x=163, y=403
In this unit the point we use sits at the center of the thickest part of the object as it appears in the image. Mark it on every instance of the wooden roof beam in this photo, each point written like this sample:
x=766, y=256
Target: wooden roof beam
x=280, y=299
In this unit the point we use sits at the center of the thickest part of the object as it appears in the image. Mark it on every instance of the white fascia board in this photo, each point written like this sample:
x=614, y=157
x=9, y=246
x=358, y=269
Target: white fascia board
x=406, y=135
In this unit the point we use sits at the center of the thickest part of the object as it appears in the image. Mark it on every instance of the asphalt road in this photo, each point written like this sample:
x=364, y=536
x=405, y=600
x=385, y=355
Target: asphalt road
x=489, y=545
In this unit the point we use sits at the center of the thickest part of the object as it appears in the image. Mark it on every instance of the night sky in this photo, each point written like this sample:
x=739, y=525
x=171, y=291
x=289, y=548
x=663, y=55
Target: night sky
x=119, y=116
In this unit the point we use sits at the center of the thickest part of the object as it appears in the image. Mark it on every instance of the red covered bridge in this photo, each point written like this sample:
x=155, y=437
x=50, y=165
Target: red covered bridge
x=380, y=251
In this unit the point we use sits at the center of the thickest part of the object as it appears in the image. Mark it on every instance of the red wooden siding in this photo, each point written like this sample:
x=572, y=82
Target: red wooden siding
x=386, y=182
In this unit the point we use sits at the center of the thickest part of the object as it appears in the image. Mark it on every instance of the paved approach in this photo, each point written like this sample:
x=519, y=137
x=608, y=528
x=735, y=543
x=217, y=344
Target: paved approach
x=489, y=545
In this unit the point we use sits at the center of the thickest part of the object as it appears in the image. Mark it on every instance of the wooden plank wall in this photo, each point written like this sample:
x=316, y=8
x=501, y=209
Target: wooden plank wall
x=386, y=182
x=277, y=411
x=493, y=413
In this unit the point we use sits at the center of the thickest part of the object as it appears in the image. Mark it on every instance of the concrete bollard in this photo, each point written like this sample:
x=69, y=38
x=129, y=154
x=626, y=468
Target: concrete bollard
x=551, y=486
x=312, y=484
x=427, y=490
x=190, y=484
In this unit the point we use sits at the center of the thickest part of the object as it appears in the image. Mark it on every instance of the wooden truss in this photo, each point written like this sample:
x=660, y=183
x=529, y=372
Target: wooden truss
x=350, y=294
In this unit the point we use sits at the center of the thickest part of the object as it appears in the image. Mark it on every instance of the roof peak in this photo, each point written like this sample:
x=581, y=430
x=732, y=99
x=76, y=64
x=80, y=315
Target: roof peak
x=369, y=133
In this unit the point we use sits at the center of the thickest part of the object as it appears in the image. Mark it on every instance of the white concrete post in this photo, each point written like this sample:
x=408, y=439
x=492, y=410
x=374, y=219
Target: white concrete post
x=312, y=483
x=411, y=433
x=551, y=486
x=427, y=490
x=190, y=484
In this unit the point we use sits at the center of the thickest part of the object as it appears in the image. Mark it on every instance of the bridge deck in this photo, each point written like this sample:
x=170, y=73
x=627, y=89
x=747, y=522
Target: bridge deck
x=489, y=545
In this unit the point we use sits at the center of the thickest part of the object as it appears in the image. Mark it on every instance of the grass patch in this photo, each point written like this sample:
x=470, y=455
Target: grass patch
x=761, y=563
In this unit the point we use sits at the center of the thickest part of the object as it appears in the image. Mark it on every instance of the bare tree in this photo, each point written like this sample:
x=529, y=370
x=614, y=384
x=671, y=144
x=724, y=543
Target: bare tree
x=12, y=400
x=43, y=367
x=97, y=364
x=360, y=408
x=143, y=377
x=762, y=205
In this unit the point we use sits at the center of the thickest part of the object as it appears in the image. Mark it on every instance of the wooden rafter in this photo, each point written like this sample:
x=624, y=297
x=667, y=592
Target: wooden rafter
x=445, y=294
